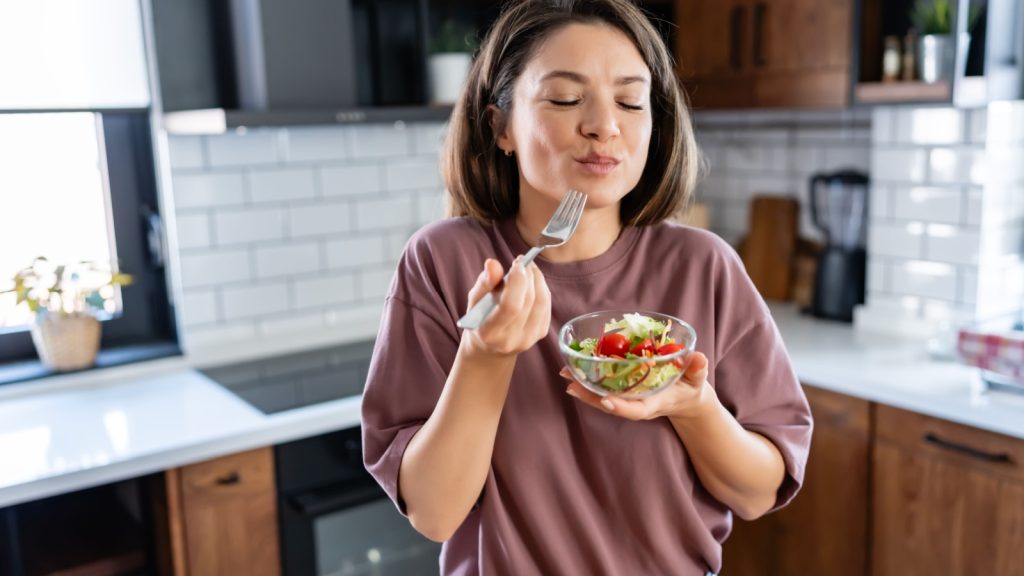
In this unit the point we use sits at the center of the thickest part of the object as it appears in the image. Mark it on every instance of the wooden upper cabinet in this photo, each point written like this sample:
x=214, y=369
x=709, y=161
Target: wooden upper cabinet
x=765, y=53
x=219, y=517
x=825, y=529
x=948, y=499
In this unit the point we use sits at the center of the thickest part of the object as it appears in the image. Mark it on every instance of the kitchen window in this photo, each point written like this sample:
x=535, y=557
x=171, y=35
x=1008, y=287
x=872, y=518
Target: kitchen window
x=80, y=186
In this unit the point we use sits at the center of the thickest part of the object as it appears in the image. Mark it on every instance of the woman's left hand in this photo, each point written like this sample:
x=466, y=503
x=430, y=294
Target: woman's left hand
x=688, y=397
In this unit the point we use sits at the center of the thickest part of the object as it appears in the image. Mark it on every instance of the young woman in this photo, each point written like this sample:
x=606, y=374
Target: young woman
x=474, y=434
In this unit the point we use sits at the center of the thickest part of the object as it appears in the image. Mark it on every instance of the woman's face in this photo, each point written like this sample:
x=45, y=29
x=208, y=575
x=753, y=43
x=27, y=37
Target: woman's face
x=581, y=116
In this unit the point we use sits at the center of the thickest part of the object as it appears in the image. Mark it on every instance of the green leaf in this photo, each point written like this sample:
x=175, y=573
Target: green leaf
x=95, y=300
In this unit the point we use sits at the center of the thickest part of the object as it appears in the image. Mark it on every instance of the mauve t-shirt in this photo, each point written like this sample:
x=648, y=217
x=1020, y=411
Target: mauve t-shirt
x=571, y=489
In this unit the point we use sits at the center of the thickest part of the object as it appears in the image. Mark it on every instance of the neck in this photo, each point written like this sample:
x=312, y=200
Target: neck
x=597, y=231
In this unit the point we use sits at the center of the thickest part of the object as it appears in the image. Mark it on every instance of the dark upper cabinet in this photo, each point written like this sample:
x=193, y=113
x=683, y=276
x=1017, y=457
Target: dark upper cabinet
x=765, y=53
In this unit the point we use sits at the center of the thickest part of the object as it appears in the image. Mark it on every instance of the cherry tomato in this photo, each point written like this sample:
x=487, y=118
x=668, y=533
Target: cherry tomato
x=671, y=349
x=613, y=345
x=645, y=346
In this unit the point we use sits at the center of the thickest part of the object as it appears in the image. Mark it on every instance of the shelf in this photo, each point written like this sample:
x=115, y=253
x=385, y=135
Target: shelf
x=899, y=92
x=219, y=120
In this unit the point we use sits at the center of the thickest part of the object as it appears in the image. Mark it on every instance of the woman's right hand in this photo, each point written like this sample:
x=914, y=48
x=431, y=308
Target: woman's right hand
x=522, y=315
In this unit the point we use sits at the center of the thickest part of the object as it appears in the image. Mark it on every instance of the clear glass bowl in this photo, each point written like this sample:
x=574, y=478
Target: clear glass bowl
x=628, y=378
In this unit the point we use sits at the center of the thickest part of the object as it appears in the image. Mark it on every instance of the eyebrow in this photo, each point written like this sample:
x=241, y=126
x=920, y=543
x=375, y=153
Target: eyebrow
x=581, y=79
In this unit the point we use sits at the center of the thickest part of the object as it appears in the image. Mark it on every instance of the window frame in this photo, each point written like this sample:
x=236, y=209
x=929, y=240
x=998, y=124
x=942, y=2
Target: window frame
x=147, y=316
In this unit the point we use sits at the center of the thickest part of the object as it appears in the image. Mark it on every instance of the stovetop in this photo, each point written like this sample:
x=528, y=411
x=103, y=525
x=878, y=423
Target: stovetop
x=292, y=381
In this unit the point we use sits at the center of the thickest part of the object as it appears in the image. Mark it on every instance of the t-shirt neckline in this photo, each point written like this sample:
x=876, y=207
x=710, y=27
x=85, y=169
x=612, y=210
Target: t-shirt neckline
x=617, y=251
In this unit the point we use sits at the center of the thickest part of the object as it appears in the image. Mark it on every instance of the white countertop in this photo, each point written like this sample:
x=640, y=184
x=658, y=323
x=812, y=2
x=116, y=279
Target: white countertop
x=66, y=438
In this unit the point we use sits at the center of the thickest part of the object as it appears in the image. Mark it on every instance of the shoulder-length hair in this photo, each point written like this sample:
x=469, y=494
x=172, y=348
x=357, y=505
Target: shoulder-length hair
x=484, y=183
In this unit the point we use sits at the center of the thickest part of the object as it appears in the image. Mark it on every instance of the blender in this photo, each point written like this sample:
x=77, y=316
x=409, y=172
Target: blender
x=839, y=209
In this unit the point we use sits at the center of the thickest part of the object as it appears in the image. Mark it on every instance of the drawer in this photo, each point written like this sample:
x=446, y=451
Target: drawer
x=991, y=452
x=246, y=474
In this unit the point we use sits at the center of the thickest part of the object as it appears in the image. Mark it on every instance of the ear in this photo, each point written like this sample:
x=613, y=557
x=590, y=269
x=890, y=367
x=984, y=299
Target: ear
x=499, y=126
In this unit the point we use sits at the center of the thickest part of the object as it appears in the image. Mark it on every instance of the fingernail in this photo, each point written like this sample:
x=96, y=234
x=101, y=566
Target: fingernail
x=608, y=404
x=572, y=392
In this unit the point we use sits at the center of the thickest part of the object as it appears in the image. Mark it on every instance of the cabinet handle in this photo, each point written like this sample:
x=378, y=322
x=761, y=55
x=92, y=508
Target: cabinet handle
x=759, y=11
x=229, y=479
x=967, y=450
x=735, y=32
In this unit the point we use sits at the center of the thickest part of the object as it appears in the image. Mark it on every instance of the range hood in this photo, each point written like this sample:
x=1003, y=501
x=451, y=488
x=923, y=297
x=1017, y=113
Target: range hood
x=294, y=62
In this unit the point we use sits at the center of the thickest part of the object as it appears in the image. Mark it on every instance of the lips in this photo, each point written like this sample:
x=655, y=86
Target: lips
x=598, y=164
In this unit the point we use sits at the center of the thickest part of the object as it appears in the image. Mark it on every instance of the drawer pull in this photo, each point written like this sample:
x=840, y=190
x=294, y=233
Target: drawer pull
x=229, y=479
x=966, y=450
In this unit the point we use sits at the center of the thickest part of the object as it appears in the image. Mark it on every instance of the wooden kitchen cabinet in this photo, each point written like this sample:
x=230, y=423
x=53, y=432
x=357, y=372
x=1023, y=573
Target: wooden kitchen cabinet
x=765, y=53
x=825, y=529
x=948, y=499
x=219, y=517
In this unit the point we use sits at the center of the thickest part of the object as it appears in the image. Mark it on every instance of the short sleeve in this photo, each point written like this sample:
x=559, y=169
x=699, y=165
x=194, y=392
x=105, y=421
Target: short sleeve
x=413, y=353
x=755, y=381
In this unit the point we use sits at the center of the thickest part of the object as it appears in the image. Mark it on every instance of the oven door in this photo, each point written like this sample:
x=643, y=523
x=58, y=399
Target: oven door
x=348, y=526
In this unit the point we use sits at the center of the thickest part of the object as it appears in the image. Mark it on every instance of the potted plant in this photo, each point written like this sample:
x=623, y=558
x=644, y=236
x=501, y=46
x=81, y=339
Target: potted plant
x=936, y=49
x=450, y=57
x=66, y=301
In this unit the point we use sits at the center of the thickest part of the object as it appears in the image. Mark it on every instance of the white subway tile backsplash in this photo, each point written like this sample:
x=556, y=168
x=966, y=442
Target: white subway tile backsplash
x=972, y=216
x=896, y=240
x=880, y=202
x=853, y=157
x=384, y=213
x=316, y=144
x=394, y=244
x=351, y=180
x=968, y=285
x=925, y=279
x=877, y=275
x=252, y=301
x=427, y=138
x=898, y=165
x=374, y=282
x=282, y=185
x=186, y=152
x=291, y=323
x=946, y=243
x=215, y=268
x=193, y=230
x=977, y=122
x=199, y=307
x=379, y=140
x=198, y=338
x=883, y=125
x=430, y=206
x=365, y=250
x=243, y=149
x=941, y=205
x=1005, y=123
x=929, y=126
x=807, y=160
x=1005, y=165
x=325, y=290
x=249, y=225
x=410, y=175
x=286, y=260
x=320, y=219
x=957, y=165
x=207, y=190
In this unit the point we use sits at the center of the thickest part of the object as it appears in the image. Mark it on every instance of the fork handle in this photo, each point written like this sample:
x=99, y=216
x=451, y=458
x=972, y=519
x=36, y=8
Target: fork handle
x=483, y=307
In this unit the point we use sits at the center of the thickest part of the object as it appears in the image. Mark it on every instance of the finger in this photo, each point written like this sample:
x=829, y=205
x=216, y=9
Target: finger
x=485, y=282
x=697, y=371
x=539, y=319
x=511, y=299
x=639, y=409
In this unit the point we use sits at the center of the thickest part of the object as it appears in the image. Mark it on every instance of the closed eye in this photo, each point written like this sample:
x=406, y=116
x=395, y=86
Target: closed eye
x=564, y=102
x=631, y=106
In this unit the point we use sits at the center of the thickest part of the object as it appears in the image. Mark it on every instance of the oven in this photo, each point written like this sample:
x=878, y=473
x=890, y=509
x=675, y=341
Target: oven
x=334, y=518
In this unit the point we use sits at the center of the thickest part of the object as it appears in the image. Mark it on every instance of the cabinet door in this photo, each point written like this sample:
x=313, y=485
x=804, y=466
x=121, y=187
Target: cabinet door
x=713, y=52
x=222, y=516
x=824, y=530
x=948, y=499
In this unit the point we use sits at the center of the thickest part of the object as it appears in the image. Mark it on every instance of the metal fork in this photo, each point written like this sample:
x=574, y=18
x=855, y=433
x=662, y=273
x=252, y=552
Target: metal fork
x=557, y=232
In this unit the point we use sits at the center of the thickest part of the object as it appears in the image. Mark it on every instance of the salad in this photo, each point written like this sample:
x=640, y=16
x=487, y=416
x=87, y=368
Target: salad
x=637, y=339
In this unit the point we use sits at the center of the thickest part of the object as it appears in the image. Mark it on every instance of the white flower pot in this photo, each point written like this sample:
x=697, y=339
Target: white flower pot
x=448, y=71
x=66, y=341
x=938, y=58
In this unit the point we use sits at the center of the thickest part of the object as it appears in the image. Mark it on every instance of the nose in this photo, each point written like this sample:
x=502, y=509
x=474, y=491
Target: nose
x=599, y=121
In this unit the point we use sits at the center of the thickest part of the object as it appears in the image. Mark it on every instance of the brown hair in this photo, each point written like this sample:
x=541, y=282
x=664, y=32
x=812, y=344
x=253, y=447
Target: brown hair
x=483, y=183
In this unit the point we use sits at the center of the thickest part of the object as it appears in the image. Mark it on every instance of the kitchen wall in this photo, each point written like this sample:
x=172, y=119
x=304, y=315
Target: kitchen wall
x=775, y=152
x=296, y=230
x=947, y=219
